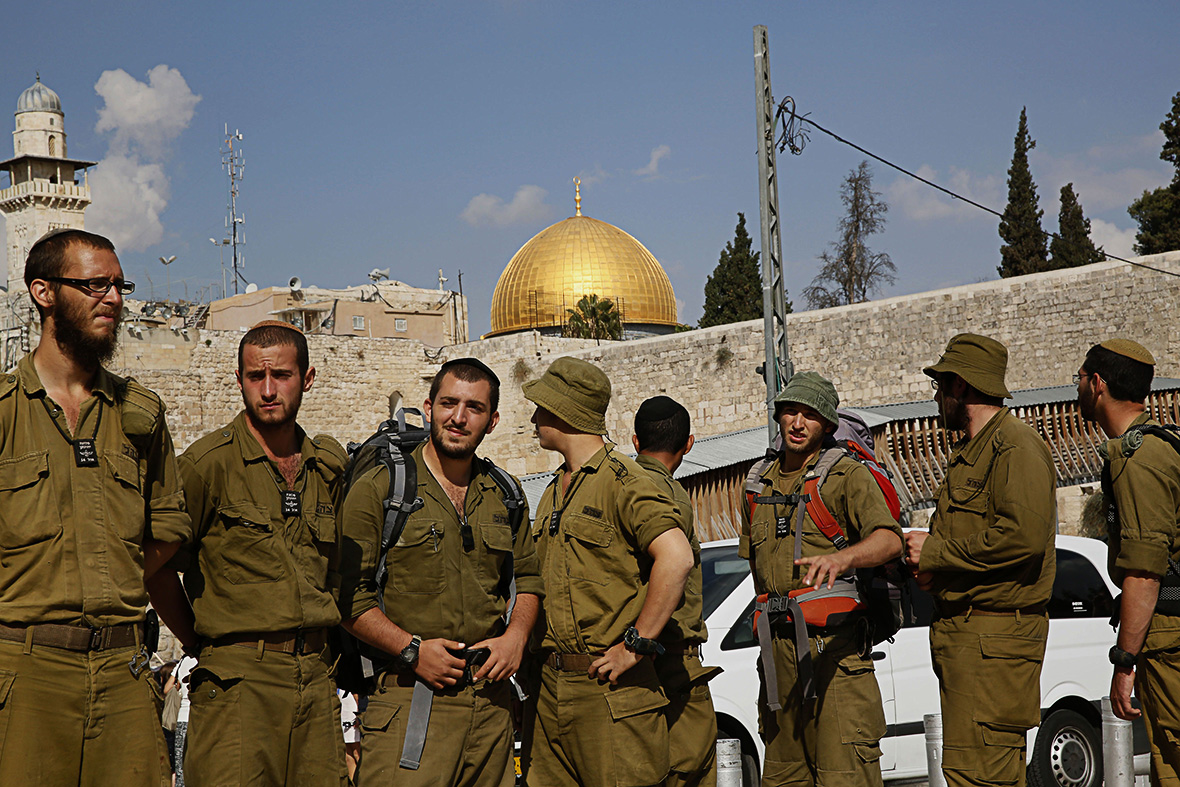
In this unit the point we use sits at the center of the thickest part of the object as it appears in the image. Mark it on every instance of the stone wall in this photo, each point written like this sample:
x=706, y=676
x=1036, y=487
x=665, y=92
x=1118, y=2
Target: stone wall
x=874, y=352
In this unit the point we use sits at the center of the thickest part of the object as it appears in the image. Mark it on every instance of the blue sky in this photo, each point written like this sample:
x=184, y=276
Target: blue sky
x=420, y=136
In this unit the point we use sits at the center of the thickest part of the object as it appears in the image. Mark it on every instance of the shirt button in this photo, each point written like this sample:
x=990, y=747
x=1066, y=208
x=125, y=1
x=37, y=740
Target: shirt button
x=212, y=693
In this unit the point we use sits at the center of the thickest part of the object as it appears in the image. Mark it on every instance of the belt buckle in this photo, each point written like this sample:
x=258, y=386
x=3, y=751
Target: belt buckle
x=95, y=639
x=299, y=642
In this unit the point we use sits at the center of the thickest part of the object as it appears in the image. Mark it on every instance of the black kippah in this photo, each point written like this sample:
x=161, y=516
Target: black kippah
x=657, y=408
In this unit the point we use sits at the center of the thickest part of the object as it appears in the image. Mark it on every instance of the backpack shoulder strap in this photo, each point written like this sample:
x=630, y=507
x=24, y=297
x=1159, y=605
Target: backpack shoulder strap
x=754, y=482
x=816, y=509
x=512, y=493
x=401, y=501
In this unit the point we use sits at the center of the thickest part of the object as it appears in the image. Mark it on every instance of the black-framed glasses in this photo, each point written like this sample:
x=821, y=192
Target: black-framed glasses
x=1077, y=378
x=934, y=383
x=97, y=285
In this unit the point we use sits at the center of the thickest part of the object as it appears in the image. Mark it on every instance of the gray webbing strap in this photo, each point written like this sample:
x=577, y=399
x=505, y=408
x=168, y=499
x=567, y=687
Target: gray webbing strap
x=765, y=646
x=802, y=650
x=416, y=726
x=800, y=509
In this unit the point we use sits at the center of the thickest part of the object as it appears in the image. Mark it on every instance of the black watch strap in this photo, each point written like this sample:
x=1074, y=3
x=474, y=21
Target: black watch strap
x=409, y=655
x=642, y=645
x=1121, y=658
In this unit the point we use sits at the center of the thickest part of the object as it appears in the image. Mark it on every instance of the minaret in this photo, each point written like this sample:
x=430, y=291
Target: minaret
x=43, y=193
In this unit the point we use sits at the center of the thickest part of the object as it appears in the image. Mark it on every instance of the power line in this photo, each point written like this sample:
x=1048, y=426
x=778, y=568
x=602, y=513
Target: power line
x=794, y=138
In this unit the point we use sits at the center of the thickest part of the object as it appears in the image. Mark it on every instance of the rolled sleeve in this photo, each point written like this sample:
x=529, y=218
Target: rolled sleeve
x=1146, y=497
x=362, y=519
x=645, y=511
x=865, y=508
x=526, y=566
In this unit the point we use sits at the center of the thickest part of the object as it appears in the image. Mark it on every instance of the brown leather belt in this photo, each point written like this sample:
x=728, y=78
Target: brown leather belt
x=77, y=638
x=683, y=650
x=299, y=641
x=570, y=662
x=951, y=610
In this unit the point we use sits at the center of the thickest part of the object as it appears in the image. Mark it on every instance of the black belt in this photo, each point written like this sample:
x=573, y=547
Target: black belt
x=81, y=639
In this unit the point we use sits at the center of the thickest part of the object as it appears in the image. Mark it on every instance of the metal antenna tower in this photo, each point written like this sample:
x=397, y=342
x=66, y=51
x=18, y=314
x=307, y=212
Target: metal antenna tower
x=233, y=161
x=777, y=369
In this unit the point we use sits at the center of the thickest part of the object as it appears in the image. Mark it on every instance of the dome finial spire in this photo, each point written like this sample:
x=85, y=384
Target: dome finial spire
x=577, y=196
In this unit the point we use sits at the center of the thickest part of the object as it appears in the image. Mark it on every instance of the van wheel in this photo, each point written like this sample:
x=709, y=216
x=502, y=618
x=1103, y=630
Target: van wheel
x=1067, y=752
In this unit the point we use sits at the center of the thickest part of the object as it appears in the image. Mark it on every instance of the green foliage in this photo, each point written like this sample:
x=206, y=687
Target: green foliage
x=851, y=271
x=734, y=292
x=594, y=318
x=1072, y=247
x=1158, y=212
x=682, y=328
x=1023, y=250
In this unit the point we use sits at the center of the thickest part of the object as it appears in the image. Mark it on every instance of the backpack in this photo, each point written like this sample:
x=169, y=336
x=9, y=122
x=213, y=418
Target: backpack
x=392, y=445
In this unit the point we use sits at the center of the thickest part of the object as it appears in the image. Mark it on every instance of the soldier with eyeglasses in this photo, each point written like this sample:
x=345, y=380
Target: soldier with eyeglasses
x=90, y=509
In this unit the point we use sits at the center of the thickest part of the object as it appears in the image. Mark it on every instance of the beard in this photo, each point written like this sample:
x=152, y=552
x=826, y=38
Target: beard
x=457, y=447
x=1086, y=406
x=270, y=419
x=808, y=448
x=78, y=340
x=953, y=413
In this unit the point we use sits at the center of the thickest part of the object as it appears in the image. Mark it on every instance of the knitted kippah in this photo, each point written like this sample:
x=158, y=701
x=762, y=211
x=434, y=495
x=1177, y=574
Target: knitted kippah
x=1133, y=350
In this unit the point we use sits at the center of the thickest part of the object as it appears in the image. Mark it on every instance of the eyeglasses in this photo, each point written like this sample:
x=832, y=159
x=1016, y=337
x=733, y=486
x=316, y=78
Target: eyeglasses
x=1077, y=378
x=98, y=285
x=934, y=383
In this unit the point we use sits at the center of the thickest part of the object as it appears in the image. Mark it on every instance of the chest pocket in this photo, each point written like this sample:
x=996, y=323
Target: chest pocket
x=249, y=554
x=966, y=508
x=123, y=496
x=497, y=540
x=589, y=542
x=27, y=513
x=416, y=561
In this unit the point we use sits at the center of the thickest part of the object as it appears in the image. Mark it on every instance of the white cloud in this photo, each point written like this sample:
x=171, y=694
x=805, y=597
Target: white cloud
x=653, y=165
x=920, y=202
x=527, y=207
x=1111, y=238
x=130, y=186
x=597, y=175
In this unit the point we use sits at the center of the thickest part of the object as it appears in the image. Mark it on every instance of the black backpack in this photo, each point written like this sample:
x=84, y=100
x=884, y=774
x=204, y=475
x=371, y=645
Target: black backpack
x=358, y=664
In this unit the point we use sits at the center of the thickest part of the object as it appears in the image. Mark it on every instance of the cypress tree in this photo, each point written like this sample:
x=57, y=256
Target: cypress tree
x=1023, y=250
x=733, y=292
x=1158, y=212
x=1072, y=247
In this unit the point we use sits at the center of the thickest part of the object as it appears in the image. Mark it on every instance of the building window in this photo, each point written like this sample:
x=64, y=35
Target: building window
x=52, y=146
x=399, y=325
x=358, y=323
x=52, y=121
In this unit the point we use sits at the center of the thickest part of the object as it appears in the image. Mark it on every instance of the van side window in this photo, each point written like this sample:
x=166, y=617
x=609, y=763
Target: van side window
x=1078, y=590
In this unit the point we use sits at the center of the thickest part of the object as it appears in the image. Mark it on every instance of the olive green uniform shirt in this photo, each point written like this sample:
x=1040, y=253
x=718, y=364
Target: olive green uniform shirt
x=686, y=626
x=1146, y=489
x=250, y=568
x=850, y=493
x=438, y=586
x=992, y=535
x=596, y=565
x=71, y=538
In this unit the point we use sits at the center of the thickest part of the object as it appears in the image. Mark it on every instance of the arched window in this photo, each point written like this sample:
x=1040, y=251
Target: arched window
x=52, y=146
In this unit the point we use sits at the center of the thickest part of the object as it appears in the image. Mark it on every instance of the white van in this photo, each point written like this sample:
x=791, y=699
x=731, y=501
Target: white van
x=1065, y=751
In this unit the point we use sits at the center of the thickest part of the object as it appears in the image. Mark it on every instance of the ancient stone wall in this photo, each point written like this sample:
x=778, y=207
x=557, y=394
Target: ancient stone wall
x=874, y=352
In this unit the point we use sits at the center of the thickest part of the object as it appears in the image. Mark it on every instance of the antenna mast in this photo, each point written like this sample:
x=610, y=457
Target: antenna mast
x=234, y=163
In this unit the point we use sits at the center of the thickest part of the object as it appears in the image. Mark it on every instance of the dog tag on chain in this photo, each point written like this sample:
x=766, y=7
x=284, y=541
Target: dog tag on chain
x=85, y=454
x=291, y=504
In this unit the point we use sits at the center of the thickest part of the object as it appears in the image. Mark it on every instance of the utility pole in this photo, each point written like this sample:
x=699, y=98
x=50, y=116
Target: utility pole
x=777, y=368
x=234, y=164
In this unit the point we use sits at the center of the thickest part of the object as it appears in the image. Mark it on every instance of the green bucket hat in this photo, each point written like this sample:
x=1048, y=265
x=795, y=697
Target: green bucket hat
x=978, y=360
x=815, y=391
x=575, y=391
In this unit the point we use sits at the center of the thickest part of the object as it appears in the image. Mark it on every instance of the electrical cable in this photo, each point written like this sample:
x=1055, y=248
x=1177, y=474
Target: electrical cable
x=794, y=138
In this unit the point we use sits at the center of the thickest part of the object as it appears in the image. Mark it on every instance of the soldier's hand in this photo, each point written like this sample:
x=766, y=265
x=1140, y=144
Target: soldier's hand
x=612, y=664
x=925, y=580
x=504, y=655
x=1120, y=694
x=913, y=546
x=831, y=566
x=437, y=666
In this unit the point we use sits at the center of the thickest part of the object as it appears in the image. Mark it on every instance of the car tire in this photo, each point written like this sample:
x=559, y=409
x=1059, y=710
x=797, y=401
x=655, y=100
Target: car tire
x=1067, y=752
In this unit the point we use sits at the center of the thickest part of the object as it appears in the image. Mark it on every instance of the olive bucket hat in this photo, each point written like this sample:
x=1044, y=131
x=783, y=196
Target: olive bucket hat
x=813, y=390
x=575, y=391
x=979, y=360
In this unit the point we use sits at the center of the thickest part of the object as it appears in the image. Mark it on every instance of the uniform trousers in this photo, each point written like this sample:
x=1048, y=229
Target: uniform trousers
x=469, y=740
x=1157, y=685
x=70, y=718
x=588, y=733
x=261, y=717
x=692, y=722
x=989, y=684
x=834, y=739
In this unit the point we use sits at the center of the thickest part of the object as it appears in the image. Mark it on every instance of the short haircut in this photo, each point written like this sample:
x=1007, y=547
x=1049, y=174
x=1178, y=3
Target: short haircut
x=1127, y=379
x=468, y=373
x=47, y=258
x=666, y=434
x=271, y=335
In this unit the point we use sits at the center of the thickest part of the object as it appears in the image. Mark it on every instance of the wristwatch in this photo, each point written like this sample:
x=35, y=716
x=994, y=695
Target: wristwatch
x=1121, y=658
x=641, y=645
x=409, y=656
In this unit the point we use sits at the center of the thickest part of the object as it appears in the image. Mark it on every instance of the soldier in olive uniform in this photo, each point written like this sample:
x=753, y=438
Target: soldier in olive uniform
x=435, y=721
x=90, y=507
x=988, y=560
x=829, y=736
x=1141, y=482
x=662, y=438
x=261, y=574
x=614, y=560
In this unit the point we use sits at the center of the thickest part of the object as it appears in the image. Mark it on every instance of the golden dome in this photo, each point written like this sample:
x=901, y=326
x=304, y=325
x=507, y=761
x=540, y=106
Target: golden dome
x=576, y=257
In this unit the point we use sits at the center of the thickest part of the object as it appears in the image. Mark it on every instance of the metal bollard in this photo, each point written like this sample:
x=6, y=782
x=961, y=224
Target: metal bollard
x=932, y=723
x=1118, y=752
x=729, y=763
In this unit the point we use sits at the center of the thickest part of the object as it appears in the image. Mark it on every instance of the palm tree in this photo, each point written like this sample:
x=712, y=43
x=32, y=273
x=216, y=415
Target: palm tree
x=594, y=318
